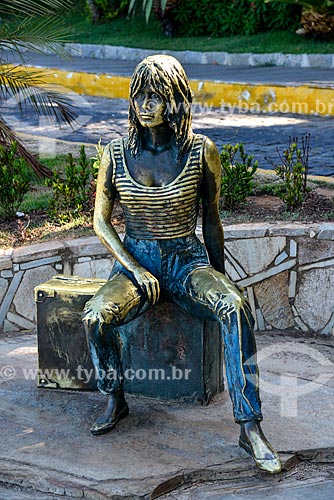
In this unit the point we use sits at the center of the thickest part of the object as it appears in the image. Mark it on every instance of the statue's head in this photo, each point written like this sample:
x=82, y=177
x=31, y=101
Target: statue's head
x=166, y=77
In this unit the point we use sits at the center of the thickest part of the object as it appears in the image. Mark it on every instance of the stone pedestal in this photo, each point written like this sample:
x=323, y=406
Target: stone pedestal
x=167, y=353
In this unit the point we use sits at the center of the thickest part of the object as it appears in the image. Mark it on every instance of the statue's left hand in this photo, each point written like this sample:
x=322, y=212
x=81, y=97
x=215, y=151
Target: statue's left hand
x=148, y=283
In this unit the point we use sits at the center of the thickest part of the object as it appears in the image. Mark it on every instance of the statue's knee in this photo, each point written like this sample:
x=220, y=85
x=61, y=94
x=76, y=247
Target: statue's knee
x=242, y=305
x=233, y=305
x=243, y=310
x=96, y=311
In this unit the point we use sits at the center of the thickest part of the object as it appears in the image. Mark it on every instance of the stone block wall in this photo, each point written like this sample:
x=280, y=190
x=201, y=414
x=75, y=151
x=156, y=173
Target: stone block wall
x=21, y=269
x=286, y=270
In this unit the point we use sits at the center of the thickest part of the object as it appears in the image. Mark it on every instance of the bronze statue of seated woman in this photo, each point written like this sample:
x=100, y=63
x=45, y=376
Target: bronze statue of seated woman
x=160, y=174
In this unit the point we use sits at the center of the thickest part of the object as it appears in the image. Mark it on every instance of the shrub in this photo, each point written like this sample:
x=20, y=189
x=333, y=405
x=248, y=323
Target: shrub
x=15, y=178
x=71, y=188
x=237, y=176
x=321, y=6
x=293, y=170
x=240, y=17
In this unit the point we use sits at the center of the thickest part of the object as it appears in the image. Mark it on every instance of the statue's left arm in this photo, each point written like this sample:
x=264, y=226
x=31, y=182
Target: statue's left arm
x=212, y=228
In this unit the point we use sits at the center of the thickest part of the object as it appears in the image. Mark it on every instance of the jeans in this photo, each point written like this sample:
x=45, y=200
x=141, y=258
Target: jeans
x=184, y=273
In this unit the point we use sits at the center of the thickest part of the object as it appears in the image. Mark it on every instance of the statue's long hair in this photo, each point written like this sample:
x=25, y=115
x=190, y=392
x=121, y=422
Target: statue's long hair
x=165, y=75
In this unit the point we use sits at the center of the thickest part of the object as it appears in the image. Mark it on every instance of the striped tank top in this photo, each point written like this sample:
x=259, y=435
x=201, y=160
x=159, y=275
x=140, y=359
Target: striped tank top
x=159, y=212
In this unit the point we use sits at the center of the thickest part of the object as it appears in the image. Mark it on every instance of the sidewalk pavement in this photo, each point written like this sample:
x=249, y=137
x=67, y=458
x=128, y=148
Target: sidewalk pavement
x=168, y=449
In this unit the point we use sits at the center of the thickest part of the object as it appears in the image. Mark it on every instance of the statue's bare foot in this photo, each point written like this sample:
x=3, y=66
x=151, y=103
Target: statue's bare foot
x=117, y=409
x=254, y=442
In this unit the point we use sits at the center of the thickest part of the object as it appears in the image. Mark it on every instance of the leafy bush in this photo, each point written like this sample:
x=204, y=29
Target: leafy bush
x=321, y=6
x=15, y=176
x=293, y=170
x=72, y=188
x=237, y=176
x=240, y=17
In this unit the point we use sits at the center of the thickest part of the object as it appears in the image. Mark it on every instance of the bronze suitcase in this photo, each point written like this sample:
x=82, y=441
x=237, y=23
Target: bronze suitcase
x=167, y=353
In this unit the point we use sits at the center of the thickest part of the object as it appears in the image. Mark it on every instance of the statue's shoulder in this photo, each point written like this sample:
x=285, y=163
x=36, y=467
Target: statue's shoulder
x=207, y=144
x=211, y=160
x=114, y=145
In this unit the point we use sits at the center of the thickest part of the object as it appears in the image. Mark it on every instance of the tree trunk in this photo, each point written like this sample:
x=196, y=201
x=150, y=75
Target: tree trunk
x=94, y=11
x=166, y=17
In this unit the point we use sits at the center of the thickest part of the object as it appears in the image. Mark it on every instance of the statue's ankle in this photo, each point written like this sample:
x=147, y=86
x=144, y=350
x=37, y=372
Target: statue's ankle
x=251, y=426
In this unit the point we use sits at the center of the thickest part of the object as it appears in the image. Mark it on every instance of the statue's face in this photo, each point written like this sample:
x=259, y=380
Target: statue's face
x=149, y=107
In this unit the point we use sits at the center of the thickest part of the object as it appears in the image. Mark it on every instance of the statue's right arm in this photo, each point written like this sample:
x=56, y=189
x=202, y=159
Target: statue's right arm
x=104, y=203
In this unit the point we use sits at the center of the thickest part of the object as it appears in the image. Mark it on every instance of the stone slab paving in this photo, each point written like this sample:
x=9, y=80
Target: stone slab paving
x=106, y=119
x=16, y=493
x=317, y=489
x=46, y=445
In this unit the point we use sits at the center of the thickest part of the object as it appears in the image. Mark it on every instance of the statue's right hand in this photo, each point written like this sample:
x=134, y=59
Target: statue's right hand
x=148, y=283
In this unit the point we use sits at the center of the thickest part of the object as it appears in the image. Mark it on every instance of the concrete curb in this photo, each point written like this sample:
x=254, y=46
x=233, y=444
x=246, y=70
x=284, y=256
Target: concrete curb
x=325, y=61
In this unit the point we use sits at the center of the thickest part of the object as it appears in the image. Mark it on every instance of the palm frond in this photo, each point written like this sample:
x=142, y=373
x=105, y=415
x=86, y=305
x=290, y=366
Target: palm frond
x=31, y=7
x=32, y=25
x=7, y=137
x=30, y=88
x=36, y=34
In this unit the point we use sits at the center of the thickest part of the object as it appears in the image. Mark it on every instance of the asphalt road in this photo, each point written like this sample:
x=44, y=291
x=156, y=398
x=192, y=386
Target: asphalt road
x=241, y=74
x=261, y=134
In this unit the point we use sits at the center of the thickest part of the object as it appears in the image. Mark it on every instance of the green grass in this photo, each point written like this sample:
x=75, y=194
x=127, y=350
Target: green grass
x=270, y=188
x=324, y=184
x=34, y=201
x=134, y=32
x=53, y=162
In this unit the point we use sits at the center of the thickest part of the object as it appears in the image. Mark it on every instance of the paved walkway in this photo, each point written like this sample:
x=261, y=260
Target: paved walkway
x=171, y=450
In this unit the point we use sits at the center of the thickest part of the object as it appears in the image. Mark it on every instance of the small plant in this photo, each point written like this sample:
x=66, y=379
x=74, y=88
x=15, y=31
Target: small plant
x=97, y=159
x=237, y=175
x=72, y=188
x=293, y=170
x=15, y=178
